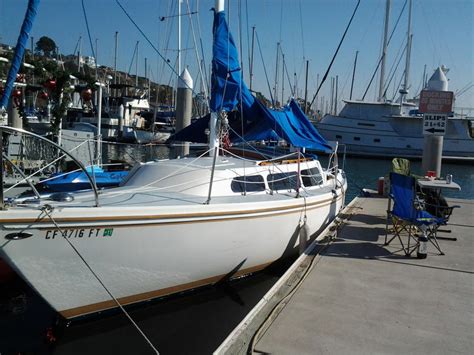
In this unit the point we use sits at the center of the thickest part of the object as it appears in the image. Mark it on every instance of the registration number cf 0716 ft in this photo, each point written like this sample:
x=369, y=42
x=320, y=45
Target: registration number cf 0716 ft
x=79, y=233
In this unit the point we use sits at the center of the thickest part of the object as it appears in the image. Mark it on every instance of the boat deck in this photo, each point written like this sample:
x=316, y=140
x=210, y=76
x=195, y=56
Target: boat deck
x=360, y=297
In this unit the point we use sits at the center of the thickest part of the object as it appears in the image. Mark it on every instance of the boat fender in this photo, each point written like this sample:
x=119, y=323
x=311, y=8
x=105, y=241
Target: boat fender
x=304, y=233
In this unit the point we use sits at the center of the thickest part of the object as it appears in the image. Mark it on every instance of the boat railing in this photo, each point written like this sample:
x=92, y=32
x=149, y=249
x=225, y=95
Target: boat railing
x=333, y=162
x=5, y=161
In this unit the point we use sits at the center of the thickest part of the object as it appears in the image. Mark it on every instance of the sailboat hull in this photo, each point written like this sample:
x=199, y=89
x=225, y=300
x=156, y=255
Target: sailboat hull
x=148, y=253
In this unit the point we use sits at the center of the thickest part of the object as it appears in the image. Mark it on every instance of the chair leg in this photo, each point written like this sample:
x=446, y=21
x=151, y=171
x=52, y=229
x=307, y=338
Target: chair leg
x=412, y=234
x=433, y=239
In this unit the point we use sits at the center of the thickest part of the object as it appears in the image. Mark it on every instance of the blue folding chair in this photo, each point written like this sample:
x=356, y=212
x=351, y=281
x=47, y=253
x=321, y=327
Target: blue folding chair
x=409, y=217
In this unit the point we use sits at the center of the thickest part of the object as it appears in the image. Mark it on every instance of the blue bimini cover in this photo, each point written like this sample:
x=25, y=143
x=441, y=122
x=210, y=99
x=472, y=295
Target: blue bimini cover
x=229, y=93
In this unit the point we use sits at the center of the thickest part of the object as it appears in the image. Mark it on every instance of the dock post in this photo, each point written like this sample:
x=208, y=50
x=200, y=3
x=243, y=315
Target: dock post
x=184, y=105
x=432, y=154
x=14, y=118
x=436, y=103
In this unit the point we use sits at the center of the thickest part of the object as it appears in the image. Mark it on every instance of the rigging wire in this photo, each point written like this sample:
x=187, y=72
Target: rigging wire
x=464, y=89
x=288, y=76
x=197, y=52
x=302, y=32
x=206, y=75
x=133, y=59
x=150, y=43
x=166, y=44
x=335, y=54
x=398, y=58
x=399, y=83
x=383, y=55
x=48, y=210
x=387, y=86
x=241, y=82
x=264, y=68
x=88, y=31
x=248, y=35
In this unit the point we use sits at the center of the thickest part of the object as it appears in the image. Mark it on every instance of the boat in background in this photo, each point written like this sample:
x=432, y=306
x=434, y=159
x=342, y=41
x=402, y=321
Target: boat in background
x=395, y=129
x=157, y=127
x=390, y=129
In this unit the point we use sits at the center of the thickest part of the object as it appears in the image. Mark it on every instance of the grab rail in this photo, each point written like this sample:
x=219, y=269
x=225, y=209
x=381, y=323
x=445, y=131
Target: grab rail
x=22, y=131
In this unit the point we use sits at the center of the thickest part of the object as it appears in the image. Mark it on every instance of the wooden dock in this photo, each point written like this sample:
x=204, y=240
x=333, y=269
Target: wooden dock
x=351, y=294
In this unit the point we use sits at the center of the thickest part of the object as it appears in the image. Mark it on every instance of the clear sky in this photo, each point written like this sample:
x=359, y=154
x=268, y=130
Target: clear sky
x=307, y=29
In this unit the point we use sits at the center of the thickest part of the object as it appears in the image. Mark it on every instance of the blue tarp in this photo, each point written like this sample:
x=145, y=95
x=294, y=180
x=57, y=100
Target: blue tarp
x=229, y=93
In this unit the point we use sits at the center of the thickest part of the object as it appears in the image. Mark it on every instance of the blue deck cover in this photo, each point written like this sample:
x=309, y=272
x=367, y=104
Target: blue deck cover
x=229, y=93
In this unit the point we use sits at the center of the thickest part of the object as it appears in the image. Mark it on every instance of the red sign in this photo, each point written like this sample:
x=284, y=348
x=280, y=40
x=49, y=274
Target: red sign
x=436, y=101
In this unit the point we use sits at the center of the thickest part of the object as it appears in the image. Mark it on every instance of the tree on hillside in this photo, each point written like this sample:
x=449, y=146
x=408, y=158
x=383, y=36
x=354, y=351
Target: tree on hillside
x=46, y=46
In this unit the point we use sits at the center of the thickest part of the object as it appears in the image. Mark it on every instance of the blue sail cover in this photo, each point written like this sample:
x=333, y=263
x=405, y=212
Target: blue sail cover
x=229, y=93
x=19, y=50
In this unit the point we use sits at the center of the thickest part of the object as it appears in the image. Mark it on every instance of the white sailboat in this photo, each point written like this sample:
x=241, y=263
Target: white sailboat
x=395, y=129
x=174, y=225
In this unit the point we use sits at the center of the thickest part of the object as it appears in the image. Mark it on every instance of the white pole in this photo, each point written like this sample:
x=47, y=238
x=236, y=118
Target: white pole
x=408, y=54
x=99, y=127
x=213, y=134
x=179, y=37
x=219, y=5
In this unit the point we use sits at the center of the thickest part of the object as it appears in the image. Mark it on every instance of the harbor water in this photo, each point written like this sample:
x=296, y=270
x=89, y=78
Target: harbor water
x=194, y=322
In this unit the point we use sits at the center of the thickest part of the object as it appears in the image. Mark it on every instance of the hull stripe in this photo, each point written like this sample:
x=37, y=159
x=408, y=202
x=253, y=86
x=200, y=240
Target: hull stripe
x=308, y=206
x=101, y=306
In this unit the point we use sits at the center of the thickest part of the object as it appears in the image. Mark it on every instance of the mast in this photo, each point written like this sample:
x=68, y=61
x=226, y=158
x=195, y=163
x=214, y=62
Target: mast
x=213, y=134
x=99, y=125
x=251, y=58
x=96, y=55
x=136, y=68
x=179, y=37
x=353, y=74
x=275, y=90
x=306, y=89
x=282, y=78
x=384, y=51
x=404, y=90
x=79, y=55
x=115, y=57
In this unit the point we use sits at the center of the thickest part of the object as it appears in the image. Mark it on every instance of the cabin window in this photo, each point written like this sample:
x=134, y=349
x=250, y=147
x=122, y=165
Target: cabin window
x=357, y=138
x=338, y=136
x=365, y=124
x=311, y=177
x=282, y=181
x=252, y=183
x=376, y=140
